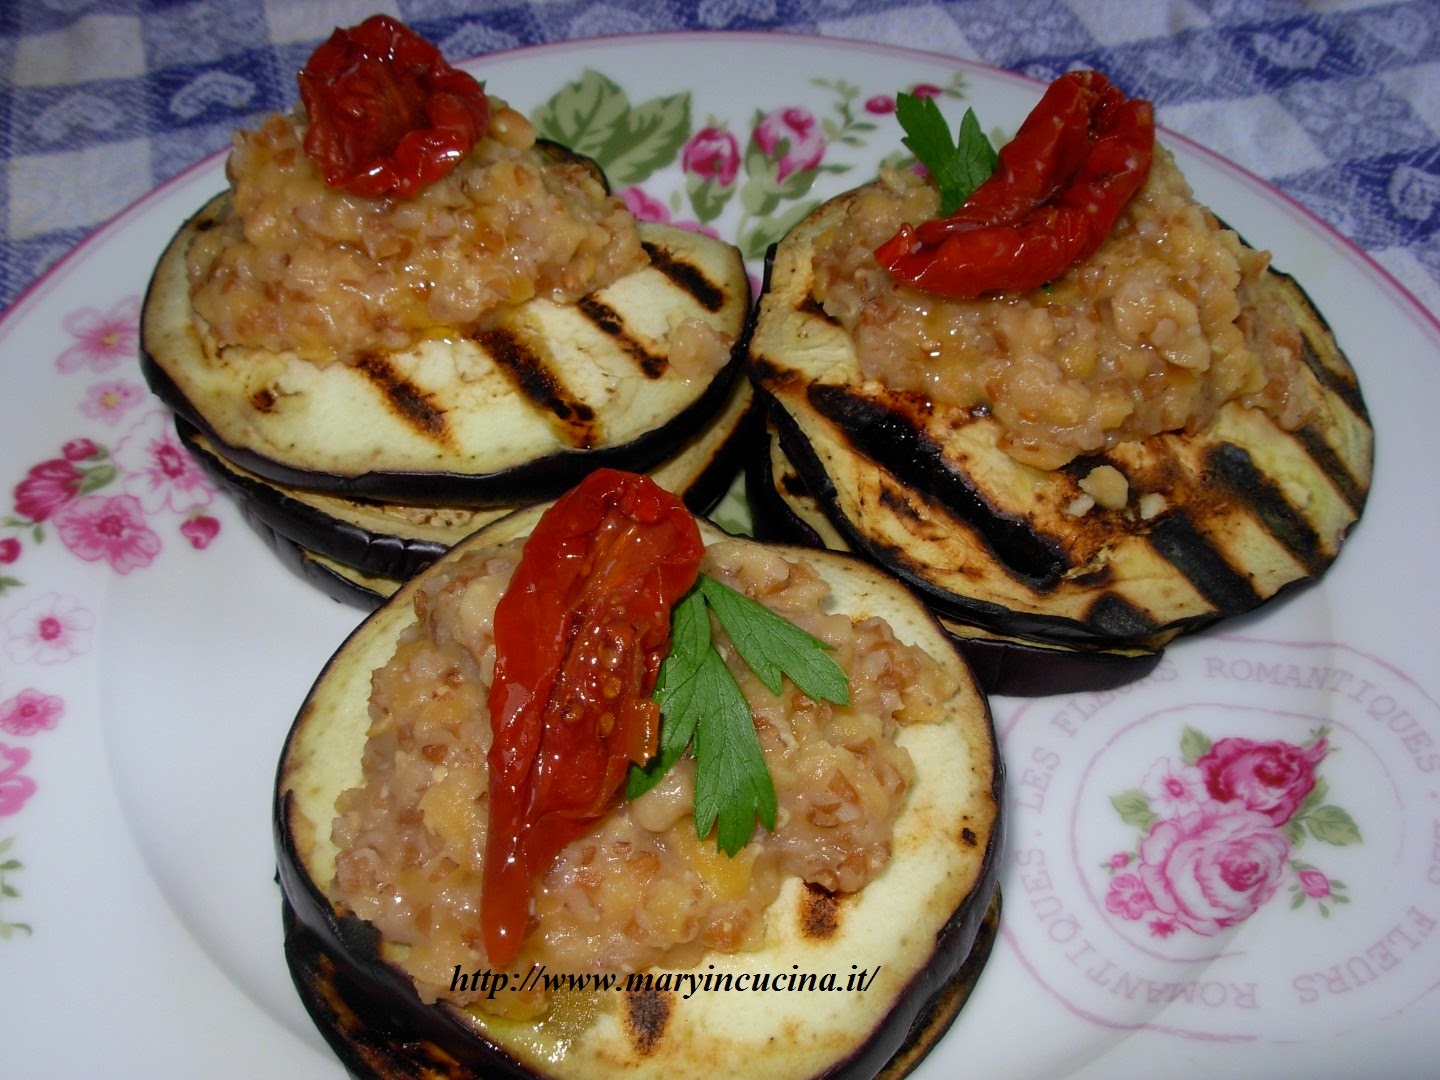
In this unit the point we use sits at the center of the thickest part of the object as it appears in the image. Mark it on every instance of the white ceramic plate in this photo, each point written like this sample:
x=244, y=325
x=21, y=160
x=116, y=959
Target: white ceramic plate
x=152, y=654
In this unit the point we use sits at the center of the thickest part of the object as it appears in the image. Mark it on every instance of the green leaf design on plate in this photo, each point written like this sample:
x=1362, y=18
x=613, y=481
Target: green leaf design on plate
x=1194, y=745
x=8, y=891
x=707, y=197
x=1332, y=825
x=593, y=116
x=754, y=239
x=1134, y=808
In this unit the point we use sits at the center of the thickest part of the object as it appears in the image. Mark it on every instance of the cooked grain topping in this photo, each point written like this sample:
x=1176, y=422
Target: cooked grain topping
x=1155, y=332
x=640, y=889
x=297, y=265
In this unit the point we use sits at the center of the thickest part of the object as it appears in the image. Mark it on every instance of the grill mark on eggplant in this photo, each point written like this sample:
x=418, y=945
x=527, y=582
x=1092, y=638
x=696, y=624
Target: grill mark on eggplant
x=528, y=371
x=1347, y=390
x=812, y=307
x=610, y=322
x=647, y=1014
x=1335, y=468
x=688, y=276
x=893, y=442
x=819, y=913
x=1175, y=537
x=413, y=404
x=1116, y=617
x=1233, y=470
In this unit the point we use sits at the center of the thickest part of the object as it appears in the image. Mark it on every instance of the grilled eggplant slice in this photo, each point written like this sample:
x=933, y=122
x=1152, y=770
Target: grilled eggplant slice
x=395, y=541
x=1235, y=513
x=366, y=1037
x=920, y=920
x=783, y=510
x=514, y=412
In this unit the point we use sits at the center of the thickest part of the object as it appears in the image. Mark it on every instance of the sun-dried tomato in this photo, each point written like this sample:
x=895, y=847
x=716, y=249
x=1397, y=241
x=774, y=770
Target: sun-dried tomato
x=387, y=115
x=1058, y=186
x=579, y=636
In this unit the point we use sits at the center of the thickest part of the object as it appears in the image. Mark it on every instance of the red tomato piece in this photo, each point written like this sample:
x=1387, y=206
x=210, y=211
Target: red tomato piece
x=579, y=636
x=1058, y=186
x=387, y=115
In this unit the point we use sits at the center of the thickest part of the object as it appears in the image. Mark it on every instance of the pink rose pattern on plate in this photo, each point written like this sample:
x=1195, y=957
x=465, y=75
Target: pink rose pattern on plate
x=110, y=507
x=768, y=171
x=1219, y=829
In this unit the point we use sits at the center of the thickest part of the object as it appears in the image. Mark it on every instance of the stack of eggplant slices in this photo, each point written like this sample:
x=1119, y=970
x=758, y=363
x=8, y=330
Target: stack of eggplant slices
x=1051, y=392
x=1044, y=387
x=379, y=363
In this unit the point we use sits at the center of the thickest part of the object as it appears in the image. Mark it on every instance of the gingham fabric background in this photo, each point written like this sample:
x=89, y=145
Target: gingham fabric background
x=1335, y=102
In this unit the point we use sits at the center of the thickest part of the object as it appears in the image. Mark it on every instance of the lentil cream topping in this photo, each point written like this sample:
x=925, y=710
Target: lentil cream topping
x=640, y=890
x=1157, y=330
x=300, y=266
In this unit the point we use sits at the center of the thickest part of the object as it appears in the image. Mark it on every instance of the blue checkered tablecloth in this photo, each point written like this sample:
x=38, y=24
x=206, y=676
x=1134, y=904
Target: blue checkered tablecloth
x=1336, y=102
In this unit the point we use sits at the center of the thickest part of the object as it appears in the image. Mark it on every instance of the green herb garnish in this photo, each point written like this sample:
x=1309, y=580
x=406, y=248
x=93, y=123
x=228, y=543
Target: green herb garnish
x=702, y=706
x=958, y=167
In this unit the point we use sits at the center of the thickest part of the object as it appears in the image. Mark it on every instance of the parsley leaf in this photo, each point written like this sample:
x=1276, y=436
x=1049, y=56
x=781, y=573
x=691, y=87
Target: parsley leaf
x=680, y=689
x=958, y=167
x=732, y=785
x=702, y=705
x=773, y=645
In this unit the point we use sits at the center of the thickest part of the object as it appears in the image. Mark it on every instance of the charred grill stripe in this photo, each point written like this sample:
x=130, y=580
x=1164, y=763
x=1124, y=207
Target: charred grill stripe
x=1335, y=468
x=893, y=442
x=1231, y=468
x=819, y=913
x=647, y=1016
x=815, y=309
x=688, y=276
x=610, y=322
x=1177, y=540
x=538, y=383
x=413, y=404
x=1346, y=389
x=1117, y=618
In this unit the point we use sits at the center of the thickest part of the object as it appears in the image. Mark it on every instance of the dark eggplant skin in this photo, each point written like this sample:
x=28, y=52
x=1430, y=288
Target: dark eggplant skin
x=369, y=1010
x=1007, y=665
x=1247, y=512
x=377, y=540
x=541, y=478
x=374, y=1043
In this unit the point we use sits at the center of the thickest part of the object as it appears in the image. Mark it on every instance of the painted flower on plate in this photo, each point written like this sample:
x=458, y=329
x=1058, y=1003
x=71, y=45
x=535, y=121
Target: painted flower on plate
x=1212, y=868
x=108, y=402
x=200, y=530
x=46, y=488
x=49, y=630
x=156, y=468
x=102, y=338
x=1128, y=896
x=1173, y=787
x=78, y=450
x=1272, y=778
x=1218, y=828
x=30, y=711
x=1314, y=884
x=793, y=138
x=712, y=153
x=645, y=207
x=15, y=787
x=110, y=528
